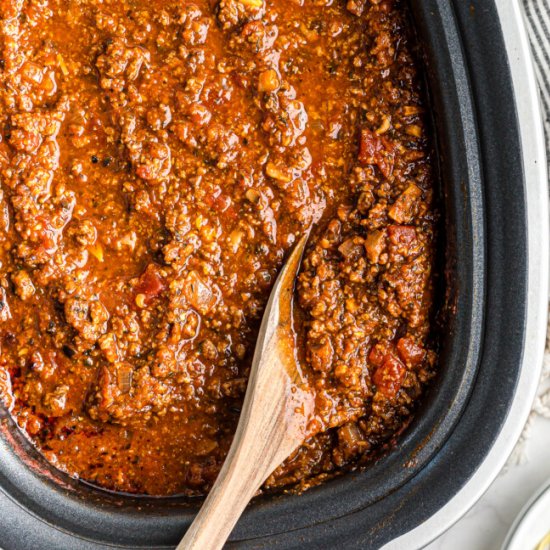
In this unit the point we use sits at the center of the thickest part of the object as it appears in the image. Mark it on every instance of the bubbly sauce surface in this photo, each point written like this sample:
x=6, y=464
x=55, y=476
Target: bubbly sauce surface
x=158, y=160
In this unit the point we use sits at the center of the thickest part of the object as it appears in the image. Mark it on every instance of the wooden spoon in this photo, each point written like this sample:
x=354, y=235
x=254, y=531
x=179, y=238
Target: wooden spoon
x=273, y=423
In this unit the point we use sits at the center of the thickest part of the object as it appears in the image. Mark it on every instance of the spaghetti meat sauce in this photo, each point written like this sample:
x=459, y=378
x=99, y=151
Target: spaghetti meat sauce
x=158, y=160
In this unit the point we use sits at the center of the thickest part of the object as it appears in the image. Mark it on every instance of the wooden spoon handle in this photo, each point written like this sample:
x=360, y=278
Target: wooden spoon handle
x=221, y=510
x=265, y=436
x=272, y=424
x=262, y=441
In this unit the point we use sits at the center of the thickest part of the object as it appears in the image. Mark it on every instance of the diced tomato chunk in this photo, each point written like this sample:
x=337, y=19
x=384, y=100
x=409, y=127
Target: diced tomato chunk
x=376, y=150
x=410, y=352
x=369, y=147
x=377, y=355
x=389, y=376
x=151, y=283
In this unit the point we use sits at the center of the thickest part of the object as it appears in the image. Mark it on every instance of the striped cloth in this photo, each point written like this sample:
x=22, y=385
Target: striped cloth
x=537, y=19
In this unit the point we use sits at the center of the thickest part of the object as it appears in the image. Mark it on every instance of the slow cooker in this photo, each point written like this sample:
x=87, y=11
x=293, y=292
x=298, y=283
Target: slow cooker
x=494, y=193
